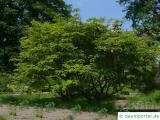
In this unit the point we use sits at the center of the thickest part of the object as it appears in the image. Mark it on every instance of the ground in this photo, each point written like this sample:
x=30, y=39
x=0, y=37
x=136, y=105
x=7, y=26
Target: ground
x=49, y=107
x=30, y=113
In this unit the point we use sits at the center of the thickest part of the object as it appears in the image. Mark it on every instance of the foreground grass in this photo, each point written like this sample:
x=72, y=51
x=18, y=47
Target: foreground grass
x=149, y=98
x=146, y=102
x=77, y=104
x=3, y=118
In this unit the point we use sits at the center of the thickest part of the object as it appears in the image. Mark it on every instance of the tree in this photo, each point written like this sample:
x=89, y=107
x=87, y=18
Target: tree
x=15, y=14
x=145, y=15
x=82, y=58
x=125, y=59
x=58, y=44
x=44, y=49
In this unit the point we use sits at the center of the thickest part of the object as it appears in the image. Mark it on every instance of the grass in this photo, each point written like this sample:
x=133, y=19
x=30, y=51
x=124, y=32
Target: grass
x=39, y=114
x=35, y=100
x=150, y=98
x=103, y=111
x=146, y=102
x=13, y=111
x=77, y=109
x=76, y=104
x=3, y=118
x=52, y=102
x=70, y=117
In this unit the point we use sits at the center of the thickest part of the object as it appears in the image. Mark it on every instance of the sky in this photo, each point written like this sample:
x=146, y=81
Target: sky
x=100, y=8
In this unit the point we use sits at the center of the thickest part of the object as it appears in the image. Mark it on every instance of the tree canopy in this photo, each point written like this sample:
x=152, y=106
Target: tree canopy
x=144, y=14
x=15, y=14
x=83, y=58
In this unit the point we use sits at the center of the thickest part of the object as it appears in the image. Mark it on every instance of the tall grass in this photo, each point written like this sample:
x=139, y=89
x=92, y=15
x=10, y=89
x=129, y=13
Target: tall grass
x=50, y=101
x=150, y=98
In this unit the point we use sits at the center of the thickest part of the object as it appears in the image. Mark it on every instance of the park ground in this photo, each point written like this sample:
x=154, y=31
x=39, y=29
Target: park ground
x=47, y=107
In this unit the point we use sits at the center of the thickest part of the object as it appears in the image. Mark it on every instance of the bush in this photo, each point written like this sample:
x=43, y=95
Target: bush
x=87, y=59
x=5, y=82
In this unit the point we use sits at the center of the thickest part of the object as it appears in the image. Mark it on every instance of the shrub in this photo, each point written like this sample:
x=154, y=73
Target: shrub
x=5, y=82
x=77, y=108
x=87, y=59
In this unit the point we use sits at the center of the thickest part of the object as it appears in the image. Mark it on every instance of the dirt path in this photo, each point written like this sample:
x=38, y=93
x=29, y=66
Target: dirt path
x=44, y=114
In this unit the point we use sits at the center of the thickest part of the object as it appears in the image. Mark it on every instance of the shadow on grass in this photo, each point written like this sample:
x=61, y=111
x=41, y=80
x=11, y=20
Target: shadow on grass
x=48, y=101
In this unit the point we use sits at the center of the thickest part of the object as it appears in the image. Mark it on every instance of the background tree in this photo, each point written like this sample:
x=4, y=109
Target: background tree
x=15, y=14
x=144, y=14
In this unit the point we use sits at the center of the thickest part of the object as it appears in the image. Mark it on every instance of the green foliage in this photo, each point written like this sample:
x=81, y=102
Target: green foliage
x=6, y=80
x=48, y=100
x=103, y=111
x=77, y=109
x=50, y=105
x=39, y=114
x=13, y=111
x=35, y=100
x=144, y=15
x=86, y=59
x=3, y=118
x=152, y=98
x=15, y=14
x=50, y=56
x=124, y=58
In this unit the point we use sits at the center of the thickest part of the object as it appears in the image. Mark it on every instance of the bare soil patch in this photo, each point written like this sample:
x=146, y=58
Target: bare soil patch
x=23, y=113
